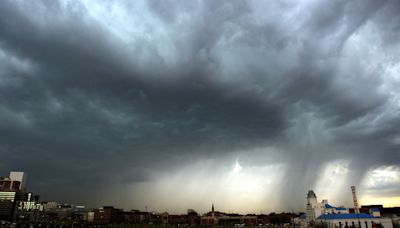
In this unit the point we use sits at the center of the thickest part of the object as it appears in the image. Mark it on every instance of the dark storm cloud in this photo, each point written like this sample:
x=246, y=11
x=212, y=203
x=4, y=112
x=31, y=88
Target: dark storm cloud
x=88, y=100
x=106, y=113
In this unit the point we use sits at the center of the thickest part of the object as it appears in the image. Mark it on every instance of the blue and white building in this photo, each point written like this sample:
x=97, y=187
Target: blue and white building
x=353, y=220
x=338, y=217
x=329, y=209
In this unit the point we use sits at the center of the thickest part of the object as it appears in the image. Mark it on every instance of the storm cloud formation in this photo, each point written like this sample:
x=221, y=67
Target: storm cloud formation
x=178, y=104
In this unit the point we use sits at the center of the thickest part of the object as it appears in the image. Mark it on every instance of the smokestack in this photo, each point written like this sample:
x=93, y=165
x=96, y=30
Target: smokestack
x=353, y=191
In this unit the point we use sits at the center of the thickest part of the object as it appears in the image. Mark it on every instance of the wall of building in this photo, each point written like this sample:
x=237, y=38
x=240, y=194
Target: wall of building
x=365, y=223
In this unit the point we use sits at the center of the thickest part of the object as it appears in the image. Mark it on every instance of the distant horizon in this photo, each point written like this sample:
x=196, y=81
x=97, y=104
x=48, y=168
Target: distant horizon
x=176, y=104
x=204, y=211
x=226, y=210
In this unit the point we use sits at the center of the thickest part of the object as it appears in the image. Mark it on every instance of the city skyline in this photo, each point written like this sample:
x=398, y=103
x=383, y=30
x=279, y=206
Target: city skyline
x=15, y=184
x=180, y=104
x=19, y=207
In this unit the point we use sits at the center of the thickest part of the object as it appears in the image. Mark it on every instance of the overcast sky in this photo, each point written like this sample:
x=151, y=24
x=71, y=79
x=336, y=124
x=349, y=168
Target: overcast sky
x=180, y=104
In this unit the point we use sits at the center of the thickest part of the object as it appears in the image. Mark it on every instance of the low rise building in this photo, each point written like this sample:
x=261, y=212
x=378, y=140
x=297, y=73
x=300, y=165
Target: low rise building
x=338, y=217
x=353, y=220
x=108, y=215
x=216, y=218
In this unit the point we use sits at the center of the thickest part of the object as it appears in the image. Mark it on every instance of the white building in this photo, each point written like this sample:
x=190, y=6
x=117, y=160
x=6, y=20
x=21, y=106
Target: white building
x=337, y=217
x=353, y=220
x=19, y=176
x=329, y=209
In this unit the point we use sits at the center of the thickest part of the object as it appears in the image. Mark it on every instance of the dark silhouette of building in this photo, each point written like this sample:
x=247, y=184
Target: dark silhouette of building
x=139, y=217
x=385, y=211
x=193, y=218
x=108, y=215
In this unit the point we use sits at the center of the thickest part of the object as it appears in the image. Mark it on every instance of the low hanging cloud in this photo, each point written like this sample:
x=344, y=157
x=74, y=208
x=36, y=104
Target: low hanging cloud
x=246, y=104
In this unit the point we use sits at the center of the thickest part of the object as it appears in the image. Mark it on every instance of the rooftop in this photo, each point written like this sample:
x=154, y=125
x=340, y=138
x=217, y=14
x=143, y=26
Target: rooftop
x=345, y=216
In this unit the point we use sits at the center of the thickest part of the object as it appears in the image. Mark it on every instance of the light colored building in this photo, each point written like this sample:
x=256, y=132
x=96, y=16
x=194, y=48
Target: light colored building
x=313, y=208
x=375, y=212
x=90, y=216
x=338, y=217
x=329, y=209
x=49, y=205
x=353, y=220
x=19, y=176
x=12, y=191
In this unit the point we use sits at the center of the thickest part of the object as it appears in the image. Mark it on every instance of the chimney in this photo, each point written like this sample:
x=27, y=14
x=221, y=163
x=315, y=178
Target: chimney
x=353, y=191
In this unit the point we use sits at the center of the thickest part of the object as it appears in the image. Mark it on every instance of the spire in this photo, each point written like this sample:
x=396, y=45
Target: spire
x=212, y=208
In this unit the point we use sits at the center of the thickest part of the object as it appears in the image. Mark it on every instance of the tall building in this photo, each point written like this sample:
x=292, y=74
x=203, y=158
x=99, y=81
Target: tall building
x=12, y=191
x=7, y=205
x=19, y=176
x=312, y=208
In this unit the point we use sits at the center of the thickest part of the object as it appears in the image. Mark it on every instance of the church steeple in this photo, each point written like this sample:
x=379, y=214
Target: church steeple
x=212, y=208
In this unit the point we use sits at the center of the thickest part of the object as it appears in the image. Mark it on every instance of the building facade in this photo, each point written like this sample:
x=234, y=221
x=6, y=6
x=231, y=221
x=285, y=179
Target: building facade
x=353, y=220
x=324, y=214
x=12, y=192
